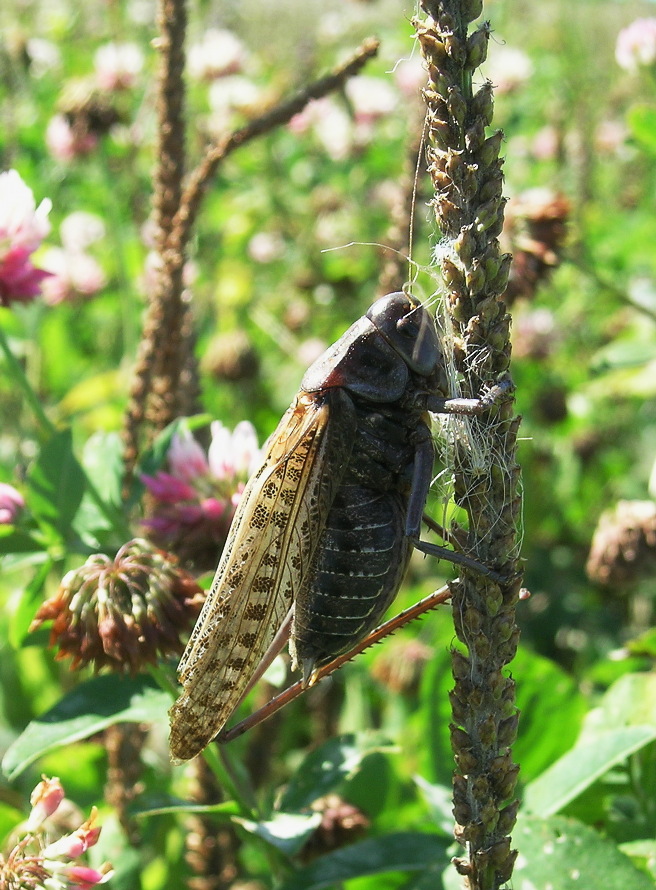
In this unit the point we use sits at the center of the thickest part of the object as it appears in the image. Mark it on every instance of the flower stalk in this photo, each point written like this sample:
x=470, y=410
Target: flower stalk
x=464, y=165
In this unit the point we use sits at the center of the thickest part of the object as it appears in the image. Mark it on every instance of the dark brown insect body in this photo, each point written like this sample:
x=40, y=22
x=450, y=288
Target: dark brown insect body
x=378, y=376
x=326, y=526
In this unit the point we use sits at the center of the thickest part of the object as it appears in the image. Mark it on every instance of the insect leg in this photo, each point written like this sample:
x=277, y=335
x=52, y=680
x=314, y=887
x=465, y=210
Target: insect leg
x=470, y=407
x=280, y=639
x=422, y=475
x=457, y=558
x=421, y=480
x=288, y=695
x=455, y=536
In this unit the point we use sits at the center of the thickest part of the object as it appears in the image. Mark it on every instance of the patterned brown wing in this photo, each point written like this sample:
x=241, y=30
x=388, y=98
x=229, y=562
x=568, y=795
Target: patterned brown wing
x=267, y=556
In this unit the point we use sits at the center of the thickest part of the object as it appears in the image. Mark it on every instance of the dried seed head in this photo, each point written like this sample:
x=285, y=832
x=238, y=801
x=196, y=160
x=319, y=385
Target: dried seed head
x=535, y=232
x=88, y=110
x=231, y=357
x=623, y=547
x=341, y=824
x=400, y=666
x=477, y=46
x=122, y=613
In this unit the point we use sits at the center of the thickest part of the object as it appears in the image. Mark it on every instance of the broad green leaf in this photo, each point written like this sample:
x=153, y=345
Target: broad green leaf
x=564, y=854
x=89, y=708
x=328, y=766
x=13, y=540
x=30, y=599
x=645, y=644
x=583, y=765
x=630, y=701
x=56, y=483
x=643, y=854
x=9, y=819
x=102, y=459
x=439, y=799
x=402, y=851
x=286, y=832
x=542, y=688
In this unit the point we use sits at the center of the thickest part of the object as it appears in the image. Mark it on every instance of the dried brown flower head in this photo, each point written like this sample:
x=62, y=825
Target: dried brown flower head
x=88, y=110
x=231, y=357
x=534, y=231
x=122, y=613
x=623, y=549
x=341, y=824
x=401, y=666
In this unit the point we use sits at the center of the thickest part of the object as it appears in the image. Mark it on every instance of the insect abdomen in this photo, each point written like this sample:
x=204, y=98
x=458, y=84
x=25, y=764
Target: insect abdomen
x=361, y=560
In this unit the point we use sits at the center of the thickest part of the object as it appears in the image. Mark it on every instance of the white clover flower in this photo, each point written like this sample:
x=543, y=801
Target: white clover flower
x=23, y=225
x=636, y=45
x=218, y=54
x=118, y=65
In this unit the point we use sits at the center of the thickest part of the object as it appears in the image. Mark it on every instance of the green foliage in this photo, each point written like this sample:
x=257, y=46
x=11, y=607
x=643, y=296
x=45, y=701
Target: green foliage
x=584, y=359
x=86, y=710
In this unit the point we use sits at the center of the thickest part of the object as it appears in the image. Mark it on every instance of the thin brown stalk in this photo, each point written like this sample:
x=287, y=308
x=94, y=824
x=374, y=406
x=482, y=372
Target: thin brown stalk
x=156, y=390
x=275, y=117
x=165, y=382
x=432, y=601
x=464, y=164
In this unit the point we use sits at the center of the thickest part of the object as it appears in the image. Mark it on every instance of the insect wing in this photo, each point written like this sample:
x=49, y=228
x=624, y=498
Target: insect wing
x=268, y=553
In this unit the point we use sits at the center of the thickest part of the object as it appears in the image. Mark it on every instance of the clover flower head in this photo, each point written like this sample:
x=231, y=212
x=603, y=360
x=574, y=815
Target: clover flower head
x=636, y=45
x=38, y=860
x=23, y=226
x=195, y=501
x=122, y=613
x=11, y=504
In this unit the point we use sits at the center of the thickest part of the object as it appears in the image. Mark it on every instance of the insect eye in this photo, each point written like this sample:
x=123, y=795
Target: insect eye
x=408, y=327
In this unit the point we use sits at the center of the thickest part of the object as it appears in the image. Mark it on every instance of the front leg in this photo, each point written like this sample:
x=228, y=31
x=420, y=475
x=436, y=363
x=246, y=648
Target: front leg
x=422, y=476
x=471, y=407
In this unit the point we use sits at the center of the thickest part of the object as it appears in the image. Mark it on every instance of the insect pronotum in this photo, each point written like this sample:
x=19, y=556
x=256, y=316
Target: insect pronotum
x=326, y=526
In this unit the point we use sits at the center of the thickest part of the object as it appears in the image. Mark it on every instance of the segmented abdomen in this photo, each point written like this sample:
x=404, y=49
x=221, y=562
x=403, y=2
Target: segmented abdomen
x=360, y=563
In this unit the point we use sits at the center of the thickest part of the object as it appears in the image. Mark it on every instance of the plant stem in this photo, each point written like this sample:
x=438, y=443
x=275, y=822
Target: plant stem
x=47, y=427
x=464, y=165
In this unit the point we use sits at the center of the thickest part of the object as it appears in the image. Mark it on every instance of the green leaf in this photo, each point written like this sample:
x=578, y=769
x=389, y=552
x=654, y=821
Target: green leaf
x=102, y=460
x=583, y=765
x=286, y=832
x=645, y=644
x=170, y=806
x=30, y=599
x=57, y=483
x=642, y=123
x=328, y=766
x=544, y=688
x=13, y=540
x=403, y=851
x=642, y=853
x=568, y=855
x=439, y=800
x=89, y=708
x=9, y=819
x=630, y=701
